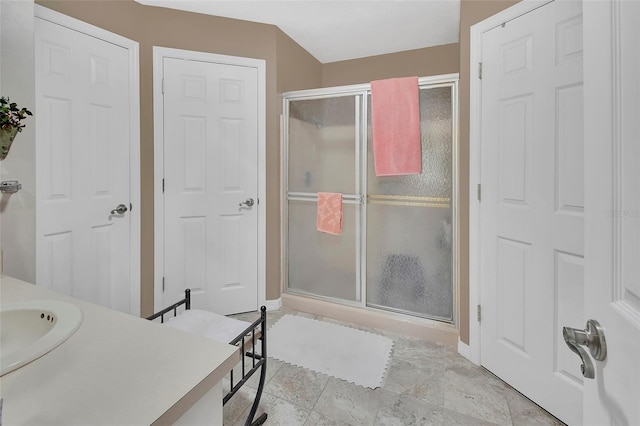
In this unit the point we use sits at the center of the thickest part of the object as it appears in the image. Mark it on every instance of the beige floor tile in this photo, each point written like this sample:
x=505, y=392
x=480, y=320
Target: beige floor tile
x=349, y=403
x=418, y=381
x=298, y=385
x=317, y=419
x=407, y=411
x=279, y=412
x=476, y=398
x=234, y=410
x=452, y=418
x=526, y=413
x=419, y=351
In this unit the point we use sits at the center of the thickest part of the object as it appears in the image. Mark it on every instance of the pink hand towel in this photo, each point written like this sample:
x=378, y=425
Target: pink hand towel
x=329, y=213
x=395, y=121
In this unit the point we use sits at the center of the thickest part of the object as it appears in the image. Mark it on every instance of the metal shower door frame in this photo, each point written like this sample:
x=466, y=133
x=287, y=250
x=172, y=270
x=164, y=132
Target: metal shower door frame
x=362, y=92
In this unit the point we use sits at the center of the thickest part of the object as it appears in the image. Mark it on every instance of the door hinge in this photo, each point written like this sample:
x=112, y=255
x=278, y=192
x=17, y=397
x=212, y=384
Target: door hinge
x=163, y=186
x=480, y=70
x=479, y=192
x=163, y=284
x=163, y=86
x=479, y=312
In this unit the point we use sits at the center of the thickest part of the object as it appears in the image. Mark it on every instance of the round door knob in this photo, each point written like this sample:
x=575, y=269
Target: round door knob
x=121, y=209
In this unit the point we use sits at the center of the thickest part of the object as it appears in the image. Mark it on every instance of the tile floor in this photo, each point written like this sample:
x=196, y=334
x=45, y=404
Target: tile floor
x=425, y=383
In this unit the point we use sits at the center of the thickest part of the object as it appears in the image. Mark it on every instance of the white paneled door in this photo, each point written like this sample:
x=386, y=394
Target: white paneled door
x=210, y=113
x=83, y=112
x=532, y=207
x=612, y=198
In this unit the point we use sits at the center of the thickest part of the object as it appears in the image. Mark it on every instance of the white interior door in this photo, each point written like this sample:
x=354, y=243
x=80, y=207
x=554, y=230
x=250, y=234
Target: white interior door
x=211, y=184
x=532, y=208
x=83, y=103
x=612, y=155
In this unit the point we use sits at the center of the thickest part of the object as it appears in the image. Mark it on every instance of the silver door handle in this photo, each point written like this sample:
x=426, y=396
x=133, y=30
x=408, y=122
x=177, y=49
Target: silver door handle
x=593, y=338
x=249, y=202
x=121, y=209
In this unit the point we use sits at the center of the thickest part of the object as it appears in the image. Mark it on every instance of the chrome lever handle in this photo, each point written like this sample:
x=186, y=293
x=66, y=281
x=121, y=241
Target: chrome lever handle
x=574, y=339
x=249, y=202
x=121, y=209
x=593, y=339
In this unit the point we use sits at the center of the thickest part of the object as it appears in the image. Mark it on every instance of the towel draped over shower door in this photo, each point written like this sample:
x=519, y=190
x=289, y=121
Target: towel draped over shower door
x=395, y=122
x=329, y=213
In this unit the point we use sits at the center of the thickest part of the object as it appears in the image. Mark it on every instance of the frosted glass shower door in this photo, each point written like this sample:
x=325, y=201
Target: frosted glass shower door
x=323, y=146
x=396, y=251
x=409, y=247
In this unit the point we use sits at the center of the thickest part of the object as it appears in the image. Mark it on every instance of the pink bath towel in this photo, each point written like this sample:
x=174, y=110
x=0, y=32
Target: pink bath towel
x=395, y=123
x=329, y=213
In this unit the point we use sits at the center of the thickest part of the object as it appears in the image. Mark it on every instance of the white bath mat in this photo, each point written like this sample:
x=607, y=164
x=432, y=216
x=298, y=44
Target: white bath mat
x=353, y=355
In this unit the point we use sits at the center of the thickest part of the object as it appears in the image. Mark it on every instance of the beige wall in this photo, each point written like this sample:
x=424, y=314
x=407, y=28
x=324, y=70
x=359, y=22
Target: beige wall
x=297, y=69
x=471, y=12
x=419, y=62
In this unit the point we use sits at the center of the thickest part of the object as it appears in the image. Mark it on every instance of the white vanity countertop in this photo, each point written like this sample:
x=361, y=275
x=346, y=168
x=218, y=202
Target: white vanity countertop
x=117, y=369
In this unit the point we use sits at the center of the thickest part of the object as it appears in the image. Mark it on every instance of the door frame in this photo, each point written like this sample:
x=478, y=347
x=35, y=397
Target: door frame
x=471, y=351
x=159, y=53
x=134, y=133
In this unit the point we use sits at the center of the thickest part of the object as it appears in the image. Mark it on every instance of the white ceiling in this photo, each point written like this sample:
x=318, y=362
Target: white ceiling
x=334, y=30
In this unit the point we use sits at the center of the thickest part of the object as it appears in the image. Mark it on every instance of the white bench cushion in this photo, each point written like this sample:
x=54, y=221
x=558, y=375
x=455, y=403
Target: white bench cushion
x=208, y=324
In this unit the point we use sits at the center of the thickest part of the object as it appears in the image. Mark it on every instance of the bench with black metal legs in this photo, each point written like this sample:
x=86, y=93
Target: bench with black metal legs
x=218, y=327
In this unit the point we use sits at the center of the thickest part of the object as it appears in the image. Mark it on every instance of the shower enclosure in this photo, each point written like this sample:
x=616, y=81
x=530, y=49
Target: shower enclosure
x=397, y=248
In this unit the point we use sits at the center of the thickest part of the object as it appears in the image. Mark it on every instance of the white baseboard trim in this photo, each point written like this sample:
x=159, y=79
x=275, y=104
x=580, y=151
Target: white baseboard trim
x=273, y=305
x=465, y=351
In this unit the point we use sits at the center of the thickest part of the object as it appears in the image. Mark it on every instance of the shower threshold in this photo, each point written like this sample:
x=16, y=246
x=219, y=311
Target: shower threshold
x=411, y=326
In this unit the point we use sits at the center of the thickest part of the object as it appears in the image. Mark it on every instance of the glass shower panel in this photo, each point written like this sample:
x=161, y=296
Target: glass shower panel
x=319, y=263
x=322, y=145
x=409, y=221
x=323, y=139
x=409, y=260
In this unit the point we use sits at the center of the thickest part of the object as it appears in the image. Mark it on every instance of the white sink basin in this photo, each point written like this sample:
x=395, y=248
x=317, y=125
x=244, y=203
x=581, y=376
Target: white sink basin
x=29, y=329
